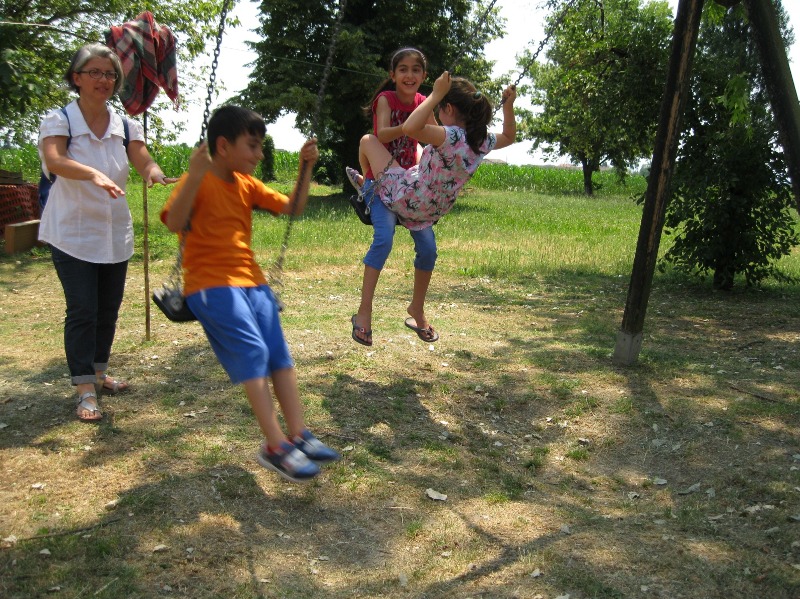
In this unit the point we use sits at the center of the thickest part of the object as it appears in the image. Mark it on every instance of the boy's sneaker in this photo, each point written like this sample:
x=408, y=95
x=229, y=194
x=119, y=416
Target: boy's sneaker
x=314, y=449
x=291, y=463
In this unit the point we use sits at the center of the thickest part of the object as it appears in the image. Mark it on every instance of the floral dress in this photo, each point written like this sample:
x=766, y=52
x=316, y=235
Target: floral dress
x=424, y=193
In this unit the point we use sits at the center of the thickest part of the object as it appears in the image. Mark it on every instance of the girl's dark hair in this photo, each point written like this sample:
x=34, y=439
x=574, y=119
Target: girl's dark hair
x=474, y=108
x=388, y=84
x=84, y=55
x=230, y=122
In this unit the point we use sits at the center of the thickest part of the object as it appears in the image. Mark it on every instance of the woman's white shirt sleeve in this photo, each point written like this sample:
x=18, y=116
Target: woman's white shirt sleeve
x=82, y=219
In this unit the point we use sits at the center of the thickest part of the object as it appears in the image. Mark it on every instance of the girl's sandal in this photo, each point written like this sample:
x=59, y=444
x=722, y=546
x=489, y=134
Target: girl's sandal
x=84, y=407
x=110, y=386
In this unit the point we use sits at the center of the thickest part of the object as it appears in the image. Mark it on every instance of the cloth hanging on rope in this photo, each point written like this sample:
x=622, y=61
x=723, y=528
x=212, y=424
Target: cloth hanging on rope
x=149, y=61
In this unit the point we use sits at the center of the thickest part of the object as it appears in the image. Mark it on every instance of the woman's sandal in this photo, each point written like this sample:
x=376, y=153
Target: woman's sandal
x=110, y=386
x=84, y=406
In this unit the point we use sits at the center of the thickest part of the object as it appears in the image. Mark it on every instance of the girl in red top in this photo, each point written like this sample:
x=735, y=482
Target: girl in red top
x=393, y=102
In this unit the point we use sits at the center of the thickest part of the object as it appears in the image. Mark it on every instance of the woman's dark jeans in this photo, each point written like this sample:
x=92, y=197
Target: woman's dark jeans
x=94, y=294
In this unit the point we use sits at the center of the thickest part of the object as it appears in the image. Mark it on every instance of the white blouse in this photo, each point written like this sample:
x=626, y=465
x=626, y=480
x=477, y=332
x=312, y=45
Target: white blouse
x=80, y=218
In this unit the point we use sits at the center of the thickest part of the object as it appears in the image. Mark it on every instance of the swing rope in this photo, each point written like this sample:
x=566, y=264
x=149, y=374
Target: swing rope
x=174, y=280
x=275, y=275
x=548, y=34
x=212, y=78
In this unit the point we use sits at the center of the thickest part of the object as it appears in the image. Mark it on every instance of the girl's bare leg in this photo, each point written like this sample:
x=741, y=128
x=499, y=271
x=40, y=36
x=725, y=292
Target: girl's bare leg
x=416, y=309
x=373, y=153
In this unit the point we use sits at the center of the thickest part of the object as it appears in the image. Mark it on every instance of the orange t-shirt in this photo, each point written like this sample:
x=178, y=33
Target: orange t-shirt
x=217, y=251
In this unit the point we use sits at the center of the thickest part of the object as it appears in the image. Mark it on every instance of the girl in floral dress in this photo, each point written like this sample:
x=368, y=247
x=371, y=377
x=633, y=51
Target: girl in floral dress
x=424, y=193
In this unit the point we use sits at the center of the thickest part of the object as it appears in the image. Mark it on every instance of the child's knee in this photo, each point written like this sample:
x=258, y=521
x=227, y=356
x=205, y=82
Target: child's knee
x=426, y=259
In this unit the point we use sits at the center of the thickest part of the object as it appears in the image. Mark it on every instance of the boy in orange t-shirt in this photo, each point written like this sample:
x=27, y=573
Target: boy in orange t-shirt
x=226, y=289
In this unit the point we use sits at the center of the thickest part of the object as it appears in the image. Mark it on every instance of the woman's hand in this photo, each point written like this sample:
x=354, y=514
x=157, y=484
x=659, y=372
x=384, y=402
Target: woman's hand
x=103, y=181
x=156, y=176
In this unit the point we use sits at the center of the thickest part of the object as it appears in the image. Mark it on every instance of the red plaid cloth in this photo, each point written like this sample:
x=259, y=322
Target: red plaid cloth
x=149, y=61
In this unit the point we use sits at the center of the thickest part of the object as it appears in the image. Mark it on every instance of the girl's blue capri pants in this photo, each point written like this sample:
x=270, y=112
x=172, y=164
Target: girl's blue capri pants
x=244, y=330
x=383, y=222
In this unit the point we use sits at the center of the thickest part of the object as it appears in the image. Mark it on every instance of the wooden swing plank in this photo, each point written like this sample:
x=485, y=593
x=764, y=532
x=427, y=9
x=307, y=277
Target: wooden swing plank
x=22, y=236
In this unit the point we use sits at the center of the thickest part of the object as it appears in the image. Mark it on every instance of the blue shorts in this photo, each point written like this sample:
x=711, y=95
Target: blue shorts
x=244, y=329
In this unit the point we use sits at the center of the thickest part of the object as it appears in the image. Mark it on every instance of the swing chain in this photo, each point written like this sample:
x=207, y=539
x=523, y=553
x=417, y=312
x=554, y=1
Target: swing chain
x=276, y=271
x=462, y=51
x=212, y=79
x=543, y=43
x=175, y=278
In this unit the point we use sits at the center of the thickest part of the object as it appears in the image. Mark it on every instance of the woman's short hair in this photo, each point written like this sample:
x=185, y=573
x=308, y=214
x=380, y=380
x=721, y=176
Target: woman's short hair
x=87, y=53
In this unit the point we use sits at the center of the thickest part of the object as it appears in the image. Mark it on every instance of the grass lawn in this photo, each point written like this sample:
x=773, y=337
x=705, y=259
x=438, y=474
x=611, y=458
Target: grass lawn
x=565, y=476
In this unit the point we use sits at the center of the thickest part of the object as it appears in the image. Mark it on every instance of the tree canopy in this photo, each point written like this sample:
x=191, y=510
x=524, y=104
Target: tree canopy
x=731, y=209
x=40, y=36
x=296, y=36
x=600, y=89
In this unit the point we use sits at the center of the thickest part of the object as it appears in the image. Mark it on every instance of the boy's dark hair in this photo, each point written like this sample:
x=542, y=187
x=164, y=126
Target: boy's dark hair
x=387, y=84
x=230, y=122
x=474, y=108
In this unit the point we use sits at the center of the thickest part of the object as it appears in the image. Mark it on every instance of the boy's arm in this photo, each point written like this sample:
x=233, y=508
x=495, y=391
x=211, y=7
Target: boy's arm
x=509, y=134
x=181, y=206
x=309, y=154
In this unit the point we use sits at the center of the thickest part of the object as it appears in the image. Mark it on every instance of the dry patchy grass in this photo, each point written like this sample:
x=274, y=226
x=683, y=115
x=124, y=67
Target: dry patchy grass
x=564, y=475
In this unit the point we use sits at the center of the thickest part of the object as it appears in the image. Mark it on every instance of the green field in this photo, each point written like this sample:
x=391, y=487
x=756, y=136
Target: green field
x=565, y=475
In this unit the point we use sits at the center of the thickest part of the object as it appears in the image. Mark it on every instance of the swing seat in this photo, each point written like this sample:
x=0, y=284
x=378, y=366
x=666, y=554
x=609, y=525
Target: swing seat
x=361, y=208
x=172, y=303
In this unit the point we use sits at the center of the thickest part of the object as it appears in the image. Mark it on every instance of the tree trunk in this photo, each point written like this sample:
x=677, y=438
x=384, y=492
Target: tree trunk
x=676, y=92
x=588, y=189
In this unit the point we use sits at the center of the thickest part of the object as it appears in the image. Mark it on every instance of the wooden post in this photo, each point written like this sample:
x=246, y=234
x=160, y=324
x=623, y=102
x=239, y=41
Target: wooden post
x=146, y=247
x=684, y=41
x=780, y=85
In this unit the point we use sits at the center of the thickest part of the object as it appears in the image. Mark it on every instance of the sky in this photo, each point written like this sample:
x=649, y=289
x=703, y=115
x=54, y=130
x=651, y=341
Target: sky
x=233, y=72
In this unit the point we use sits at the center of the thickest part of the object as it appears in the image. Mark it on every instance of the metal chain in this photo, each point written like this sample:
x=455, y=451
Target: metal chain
x=175, y=279
x=462, y=51
x=212, y=79
x=542, y=44
x=276, y=272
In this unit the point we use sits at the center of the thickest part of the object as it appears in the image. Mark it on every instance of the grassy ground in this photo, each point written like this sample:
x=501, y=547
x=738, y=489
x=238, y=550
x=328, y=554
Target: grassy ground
x=565, y=475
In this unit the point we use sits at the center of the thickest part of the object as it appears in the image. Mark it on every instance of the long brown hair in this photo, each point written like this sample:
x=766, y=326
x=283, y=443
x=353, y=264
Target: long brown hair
x=389, y=85
x=474, y=108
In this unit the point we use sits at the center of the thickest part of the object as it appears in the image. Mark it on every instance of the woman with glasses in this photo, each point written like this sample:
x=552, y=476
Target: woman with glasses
x=87, y=221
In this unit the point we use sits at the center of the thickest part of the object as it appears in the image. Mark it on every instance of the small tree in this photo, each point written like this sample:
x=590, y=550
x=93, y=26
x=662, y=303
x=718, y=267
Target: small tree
x=732, y=198
x=601, y=86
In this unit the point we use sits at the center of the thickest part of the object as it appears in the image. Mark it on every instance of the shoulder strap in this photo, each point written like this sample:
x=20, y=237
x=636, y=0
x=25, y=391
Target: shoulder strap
x=69, y=125
x=52, y=177
x=127, y=139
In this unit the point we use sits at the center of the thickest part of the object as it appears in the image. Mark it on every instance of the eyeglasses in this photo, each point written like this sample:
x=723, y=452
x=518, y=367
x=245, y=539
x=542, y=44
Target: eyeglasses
x=98, y=74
